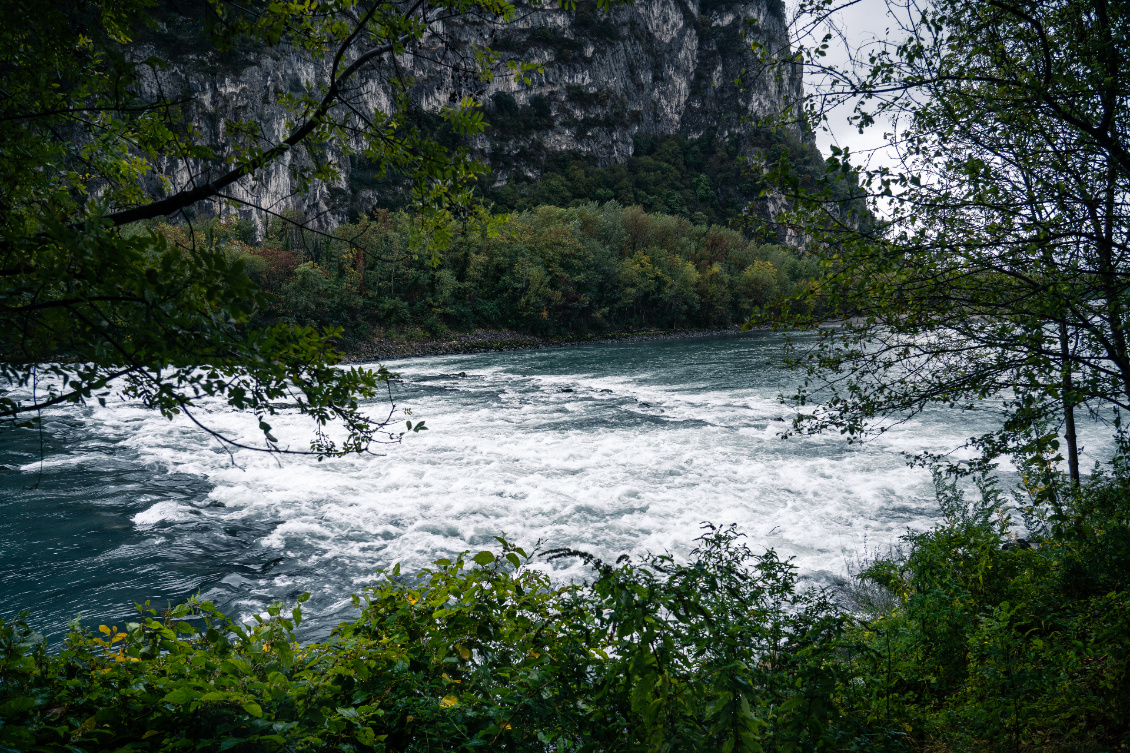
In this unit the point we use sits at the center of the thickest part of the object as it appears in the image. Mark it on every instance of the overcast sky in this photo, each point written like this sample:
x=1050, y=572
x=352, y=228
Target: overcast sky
x=861, y=24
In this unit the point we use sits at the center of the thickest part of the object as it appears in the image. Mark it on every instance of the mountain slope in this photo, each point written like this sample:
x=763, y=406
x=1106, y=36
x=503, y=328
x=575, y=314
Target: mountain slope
x=608, y=82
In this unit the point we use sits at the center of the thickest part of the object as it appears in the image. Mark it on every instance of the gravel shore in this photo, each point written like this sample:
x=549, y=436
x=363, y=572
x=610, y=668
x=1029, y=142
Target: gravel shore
x=489, y=341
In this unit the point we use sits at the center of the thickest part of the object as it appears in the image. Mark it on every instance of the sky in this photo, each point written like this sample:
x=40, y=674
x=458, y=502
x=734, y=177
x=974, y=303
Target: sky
x=860, y=24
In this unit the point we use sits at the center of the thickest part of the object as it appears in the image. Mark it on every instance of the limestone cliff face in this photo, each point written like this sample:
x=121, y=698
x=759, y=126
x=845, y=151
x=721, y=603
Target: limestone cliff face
x=656, y=67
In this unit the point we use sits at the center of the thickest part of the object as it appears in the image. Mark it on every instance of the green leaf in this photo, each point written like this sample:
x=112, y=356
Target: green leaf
x=16, y=706
x=19, y=738
x=253, y=708
x=483, y=558
x=181, y=696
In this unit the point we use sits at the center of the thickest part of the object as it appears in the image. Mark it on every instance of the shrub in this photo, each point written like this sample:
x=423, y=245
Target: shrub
x=719, y=653
x=994, y=642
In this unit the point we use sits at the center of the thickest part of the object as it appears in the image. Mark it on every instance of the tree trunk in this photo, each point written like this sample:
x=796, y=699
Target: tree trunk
x=1068, y=407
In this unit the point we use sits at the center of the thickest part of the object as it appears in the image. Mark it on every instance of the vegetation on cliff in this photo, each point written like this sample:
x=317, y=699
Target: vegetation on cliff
x=705, y=180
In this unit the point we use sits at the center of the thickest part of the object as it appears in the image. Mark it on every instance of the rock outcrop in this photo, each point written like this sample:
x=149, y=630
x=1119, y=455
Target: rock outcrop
x=656, y=67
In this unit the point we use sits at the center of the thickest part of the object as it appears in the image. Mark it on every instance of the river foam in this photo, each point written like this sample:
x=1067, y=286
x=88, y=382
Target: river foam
x=621, y=448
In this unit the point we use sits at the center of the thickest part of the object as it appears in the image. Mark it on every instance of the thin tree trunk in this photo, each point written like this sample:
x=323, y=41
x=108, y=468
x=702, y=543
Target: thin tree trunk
x=1068, y=408
x=1109, y=276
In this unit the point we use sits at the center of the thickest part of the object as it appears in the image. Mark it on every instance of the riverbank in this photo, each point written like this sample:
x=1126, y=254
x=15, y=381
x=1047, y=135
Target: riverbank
x=997, y=643
x=492, y=341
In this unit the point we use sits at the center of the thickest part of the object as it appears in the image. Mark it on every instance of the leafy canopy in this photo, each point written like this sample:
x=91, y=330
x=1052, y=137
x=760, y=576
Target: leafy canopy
x=990, y=257
x=95, y=142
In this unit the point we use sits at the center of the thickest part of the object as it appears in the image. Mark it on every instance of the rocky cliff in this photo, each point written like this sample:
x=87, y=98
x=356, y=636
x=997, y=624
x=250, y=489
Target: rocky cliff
x=655, y=67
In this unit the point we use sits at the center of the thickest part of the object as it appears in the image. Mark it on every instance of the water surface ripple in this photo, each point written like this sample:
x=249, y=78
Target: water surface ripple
x=609, y=448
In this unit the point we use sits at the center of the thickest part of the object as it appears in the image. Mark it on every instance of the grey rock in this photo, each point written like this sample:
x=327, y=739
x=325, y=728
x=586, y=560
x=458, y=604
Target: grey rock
x=656, y=67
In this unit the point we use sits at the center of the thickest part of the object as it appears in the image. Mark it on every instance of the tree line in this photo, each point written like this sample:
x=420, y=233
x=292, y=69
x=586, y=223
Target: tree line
x=548, y=271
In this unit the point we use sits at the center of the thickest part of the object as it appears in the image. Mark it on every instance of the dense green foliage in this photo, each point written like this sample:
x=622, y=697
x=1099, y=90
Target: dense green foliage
x=964, y=639
x=548, y=271
x=980, y=640
x=1000, y=269
x=717, y=654
x=703, y=179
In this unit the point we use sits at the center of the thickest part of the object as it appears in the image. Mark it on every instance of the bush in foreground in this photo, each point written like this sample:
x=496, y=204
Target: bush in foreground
x=992, y=641
x=964, y=639
x=721, y=653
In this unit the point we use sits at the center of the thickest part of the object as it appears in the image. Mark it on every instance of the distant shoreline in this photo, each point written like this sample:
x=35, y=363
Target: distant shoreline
x=498, y=341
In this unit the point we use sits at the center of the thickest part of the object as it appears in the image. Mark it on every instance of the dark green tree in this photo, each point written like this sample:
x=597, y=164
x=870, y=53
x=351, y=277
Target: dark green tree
x=999, y=267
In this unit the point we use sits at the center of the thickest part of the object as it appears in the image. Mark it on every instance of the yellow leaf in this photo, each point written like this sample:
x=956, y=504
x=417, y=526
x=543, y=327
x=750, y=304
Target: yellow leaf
x=463, y=652
x=104, y=629
x=149, y=733
x=449, y=701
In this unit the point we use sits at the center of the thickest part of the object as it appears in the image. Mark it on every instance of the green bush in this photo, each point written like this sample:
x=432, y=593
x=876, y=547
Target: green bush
x=720, y=653
x=547, y=271
x=982, y=642
x=1001, y=644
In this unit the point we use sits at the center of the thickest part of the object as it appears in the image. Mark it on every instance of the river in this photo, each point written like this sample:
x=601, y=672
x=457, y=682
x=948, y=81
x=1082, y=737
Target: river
x=611, y=448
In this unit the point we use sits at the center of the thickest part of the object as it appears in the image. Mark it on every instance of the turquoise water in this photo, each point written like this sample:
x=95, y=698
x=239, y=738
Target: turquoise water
x=609, y=448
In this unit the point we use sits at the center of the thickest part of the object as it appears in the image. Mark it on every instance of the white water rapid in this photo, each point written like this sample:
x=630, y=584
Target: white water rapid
x=613, y=449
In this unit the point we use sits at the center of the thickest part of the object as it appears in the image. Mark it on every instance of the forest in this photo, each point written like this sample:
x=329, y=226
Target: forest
x=548, y=271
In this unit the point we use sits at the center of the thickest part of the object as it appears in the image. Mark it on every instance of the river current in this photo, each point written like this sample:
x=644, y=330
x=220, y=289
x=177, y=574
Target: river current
x=612, y=448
